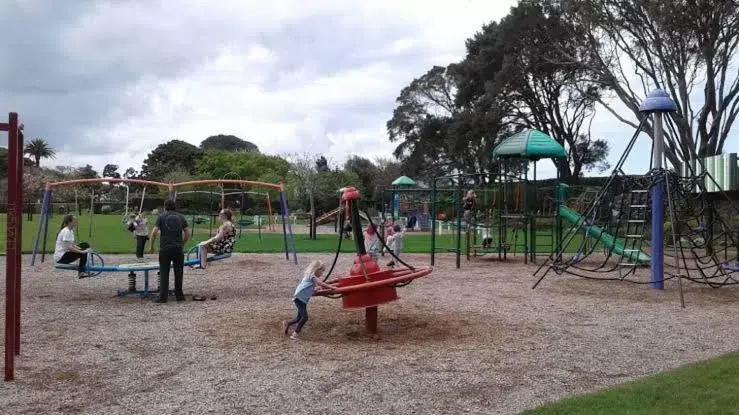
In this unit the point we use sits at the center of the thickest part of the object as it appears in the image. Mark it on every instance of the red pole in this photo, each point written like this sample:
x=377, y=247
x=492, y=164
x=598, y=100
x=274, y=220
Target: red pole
x=10, y=267
x=19, y=234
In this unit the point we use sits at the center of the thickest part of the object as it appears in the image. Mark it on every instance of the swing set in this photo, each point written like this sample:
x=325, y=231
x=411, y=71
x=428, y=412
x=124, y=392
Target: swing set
x=96, y=264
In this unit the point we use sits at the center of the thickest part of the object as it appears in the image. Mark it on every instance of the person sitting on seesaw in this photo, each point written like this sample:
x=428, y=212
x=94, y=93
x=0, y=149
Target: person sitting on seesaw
x=222, y=243
x=66, y=251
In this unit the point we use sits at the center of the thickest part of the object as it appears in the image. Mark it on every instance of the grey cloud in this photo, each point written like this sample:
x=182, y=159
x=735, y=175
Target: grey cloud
x=67, y=83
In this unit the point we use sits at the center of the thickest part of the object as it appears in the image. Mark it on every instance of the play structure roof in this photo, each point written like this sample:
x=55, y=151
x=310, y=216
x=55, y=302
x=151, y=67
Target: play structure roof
x=403, y=181
x=529, y=144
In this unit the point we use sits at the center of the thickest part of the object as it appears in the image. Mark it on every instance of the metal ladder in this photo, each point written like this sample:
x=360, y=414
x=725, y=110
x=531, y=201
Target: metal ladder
x=634, y=234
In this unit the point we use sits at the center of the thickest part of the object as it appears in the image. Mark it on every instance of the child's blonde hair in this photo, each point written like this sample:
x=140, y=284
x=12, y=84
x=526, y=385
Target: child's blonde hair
x=314, y=266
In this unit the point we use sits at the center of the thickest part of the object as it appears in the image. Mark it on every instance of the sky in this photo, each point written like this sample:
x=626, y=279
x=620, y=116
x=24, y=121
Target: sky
x=107, y=81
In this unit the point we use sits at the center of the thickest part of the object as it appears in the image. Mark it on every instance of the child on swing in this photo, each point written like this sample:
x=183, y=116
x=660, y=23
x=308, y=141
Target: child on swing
x=303, y=293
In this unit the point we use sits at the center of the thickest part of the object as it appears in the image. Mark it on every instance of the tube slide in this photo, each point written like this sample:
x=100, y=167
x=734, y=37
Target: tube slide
x=604, y=237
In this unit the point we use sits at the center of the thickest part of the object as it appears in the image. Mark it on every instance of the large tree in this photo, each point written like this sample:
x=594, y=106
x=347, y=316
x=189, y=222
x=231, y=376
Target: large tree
x=512, y=64
x=304, y=175
x=688, y=48
x=228, y=143
x=435, y=134
x=39, y=149
x=170, y=156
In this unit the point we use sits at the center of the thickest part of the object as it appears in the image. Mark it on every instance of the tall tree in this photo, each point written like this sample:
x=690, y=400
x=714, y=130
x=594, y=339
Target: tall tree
x=170, y=156
x=687, y=48
x=435, y=134
x=39, y=149
x=228, y=143
x=304, y=174
x=512, y=62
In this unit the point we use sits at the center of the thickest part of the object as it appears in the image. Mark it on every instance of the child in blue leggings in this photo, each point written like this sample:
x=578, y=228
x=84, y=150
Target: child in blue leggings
x=303, y=293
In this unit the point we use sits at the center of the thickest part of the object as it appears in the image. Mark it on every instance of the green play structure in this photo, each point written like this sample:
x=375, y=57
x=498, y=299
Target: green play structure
x=516, y=214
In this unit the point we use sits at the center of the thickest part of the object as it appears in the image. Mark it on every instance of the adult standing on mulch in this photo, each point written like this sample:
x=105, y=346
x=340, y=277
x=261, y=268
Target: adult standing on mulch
x=172, y=225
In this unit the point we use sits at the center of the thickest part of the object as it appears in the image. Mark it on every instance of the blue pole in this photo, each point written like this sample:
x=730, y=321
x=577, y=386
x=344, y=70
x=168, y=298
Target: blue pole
x=42, y=221
x=658, y=213
x=286, y=220
x=657, y=103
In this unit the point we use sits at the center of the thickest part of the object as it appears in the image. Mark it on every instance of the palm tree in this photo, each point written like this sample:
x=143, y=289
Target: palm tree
x=39, y=149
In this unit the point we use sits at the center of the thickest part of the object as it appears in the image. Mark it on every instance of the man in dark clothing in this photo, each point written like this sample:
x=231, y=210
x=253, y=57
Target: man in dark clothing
x=172, y=226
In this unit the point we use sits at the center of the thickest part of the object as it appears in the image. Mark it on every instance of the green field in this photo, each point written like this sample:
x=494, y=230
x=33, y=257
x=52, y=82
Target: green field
x=710, y=387
x=109, y=236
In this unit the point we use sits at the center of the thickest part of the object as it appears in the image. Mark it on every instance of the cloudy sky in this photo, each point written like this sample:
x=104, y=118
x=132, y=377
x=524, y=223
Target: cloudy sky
x=107, y=81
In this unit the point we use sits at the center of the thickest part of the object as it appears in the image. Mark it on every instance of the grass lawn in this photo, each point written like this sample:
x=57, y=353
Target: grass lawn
x=710, y=387
x=109, y=236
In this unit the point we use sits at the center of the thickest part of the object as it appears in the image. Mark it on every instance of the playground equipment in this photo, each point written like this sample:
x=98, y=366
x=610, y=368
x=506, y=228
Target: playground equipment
x=627, y=218
x=13, y=247
x=97, y=266
x=243, y=221
x=367, y=285
x=407, y=205
x=515, y=214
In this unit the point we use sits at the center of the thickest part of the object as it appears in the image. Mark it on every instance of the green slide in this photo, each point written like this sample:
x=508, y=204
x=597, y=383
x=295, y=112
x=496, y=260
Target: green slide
x=604, y=237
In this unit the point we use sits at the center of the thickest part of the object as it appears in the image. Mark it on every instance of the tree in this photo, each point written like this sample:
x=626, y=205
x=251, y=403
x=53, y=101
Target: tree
x=328, y=184
x=512, y=63
x=170, y=156
x=686, y=48
x=322, y=164
x=435, y=134
x=111, y=170
x=244, y=166
x=228, y=143
x=366, y=172
x=304, y=174
x=39, y=149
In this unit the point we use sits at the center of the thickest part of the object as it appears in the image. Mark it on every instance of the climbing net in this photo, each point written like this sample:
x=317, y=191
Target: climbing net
x=611, y=239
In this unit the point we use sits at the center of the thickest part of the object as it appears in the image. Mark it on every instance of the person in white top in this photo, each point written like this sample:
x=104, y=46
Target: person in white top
x=395, y=243
x=66, y=251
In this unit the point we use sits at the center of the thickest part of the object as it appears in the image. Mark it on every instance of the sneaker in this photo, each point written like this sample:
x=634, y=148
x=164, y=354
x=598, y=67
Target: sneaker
x=84, y=275
x=160, y=300
x=294, y=336
x=180, y=297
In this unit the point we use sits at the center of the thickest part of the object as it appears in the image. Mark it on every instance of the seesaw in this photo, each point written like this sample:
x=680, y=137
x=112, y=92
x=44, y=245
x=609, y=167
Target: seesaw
x=96, y=266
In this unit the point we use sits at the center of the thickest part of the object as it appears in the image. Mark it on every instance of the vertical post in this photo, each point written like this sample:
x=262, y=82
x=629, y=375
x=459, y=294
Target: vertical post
x=43, y=217
x=11, y=279
x=284, y=227
x=433, y=222
x=19, y=229
x=286, y=222
x=658, y=213
x=459, y=221
x=46, y=226
x=657, y=103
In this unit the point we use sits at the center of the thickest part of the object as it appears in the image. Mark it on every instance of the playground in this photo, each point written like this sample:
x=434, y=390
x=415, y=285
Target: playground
x=481, y=341
x=476, y=338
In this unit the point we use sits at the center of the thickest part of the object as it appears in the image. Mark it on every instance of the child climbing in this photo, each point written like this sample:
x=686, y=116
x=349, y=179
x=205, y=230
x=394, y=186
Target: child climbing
x=395, y=243
x=303, y=293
